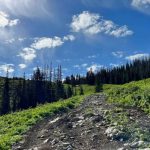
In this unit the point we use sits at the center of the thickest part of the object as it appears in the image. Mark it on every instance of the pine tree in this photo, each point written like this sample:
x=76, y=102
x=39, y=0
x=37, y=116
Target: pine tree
x=90, y=77
x=14, y=97
x=5, y=108
x=98, y=86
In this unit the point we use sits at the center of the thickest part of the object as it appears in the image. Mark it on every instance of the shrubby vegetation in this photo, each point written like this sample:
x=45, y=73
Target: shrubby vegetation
x=19, y=93
x=12, y=126
x=136, y=94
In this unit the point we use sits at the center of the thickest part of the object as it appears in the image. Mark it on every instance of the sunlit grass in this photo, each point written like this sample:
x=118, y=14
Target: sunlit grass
x=13, y=126
x=136, y=93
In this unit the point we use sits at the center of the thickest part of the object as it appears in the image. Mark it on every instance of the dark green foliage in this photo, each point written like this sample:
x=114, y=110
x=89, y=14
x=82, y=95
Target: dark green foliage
x=69, y=91
x=90, y=77
x=81, y=90
x=98, y=87
x=5, y=104
x=136, y=94
x=74, y=91
x=19, y=93
x=134, y=71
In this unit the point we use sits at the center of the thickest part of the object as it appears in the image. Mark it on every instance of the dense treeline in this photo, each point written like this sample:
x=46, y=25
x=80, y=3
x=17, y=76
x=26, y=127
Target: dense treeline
x=44, y=86
x=134, y=71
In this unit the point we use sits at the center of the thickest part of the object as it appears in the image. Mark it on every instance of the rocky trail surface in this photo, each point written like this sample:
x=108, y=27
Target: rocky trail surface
x=88, y=127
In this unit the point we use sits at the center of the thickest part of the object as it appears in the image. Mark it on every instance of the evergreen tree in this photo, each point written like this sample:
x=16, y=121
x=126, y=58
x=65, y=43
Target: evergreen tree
x=98, y=86
x=90, y=77
x=5, y=108
x=14, y=97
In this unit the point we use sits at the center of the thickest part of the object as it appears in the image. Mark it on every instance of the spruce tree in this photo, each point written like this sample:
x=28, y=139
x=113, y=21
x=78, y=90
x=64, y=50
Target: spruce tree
x=98, y=85
x=5, y=97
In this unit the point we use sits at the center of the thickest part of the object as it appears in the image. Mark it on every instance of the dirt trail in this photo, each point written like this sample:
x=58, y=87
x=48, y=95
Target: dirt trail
x=83, y=128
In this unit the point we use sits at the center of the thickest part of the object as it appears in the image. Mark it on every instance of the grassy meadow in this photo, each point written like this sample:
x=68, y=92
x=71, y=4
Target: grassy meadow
x=136, y=94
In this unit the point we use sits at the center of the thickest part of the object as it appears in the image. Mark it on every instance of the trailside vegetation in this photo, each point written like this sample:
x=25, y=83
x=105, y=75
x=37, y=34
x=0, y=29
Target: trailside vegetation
x=19, y=93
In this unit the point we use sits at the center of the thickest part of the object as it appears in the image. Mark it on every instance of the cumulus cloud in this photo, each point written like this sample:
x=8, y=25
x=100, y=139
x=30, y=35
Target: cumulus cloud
x=69, y=38
x=92, y=23
x=118, y=54
x=22, y=66
x=141, y=5
x=137, y=56
x=84, y=21
x=7, y=67
x=5, y=20
x=121, y=32
x=45, y=42
x=95, y=67
x=28, y=54
x=25, y=8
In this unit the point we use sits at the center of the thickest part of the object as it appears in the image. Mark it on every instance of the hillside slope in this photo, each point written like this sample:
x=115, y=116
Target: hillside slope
x=135, y=94
x=117, y=119
x=94, y=125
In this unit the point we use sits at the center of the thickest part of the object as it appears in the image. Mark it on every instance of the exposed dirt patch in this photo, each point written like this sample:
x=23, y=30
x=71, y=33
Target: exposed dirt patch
x=83, y=128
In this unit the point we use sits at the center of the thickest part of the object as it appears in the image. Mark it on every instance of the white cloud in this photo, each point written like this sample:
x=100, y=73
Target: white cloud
x=45, y=42
x=80, y=66
x=26, y=8
x=121, y=32
x=95, y=67
x=141, y=5
x=10, y=41
x=7, y=31
x=137, y=56
x=114, y=65
x=84, y=21
x=7, y=67
x=92, y=23
x=5, y=20
x=118, y=54
x=28, y=54
x=21, y=39
x=22, y=66
x=69, y=37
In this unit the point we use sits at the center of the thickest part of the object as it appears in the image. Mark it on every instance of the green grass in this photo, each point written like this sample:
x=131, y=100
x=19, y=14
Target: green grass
x=87, y=89
x=136, y=94
x=13, y=126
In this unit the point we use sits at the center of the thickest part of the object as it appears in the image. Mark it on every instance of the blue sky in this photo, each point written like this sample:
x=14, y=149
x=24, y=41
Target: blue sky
x=79, y=34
